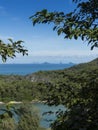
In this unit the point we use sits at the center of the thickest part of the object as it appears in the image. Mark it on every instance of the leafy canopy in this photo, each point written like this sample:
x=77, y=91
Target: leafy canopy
x=79, y=90
x=19, y=117
x=82, y=22
x=10, y=49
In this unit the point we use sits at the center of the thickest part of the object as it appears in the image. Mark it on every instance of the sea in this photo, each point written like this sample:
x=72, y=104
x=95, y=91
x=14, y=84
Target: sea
x=24, y=69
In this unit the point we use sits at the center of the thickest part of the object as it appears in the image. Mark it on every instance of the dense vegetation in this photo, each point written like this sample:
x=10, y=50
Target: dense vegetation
x=19, y=117
x=19, y=89
x=75, y=87
x=37, y=85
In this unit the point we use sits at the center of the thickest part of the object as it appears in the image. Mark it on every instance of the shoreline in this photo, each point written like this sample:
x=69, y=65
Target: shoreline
x=19, y=102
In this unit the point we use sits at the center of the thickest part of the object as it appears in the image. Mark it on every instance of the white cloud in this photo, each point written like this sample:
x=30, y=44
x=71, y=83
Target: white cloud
x=52, y=59
x=63, y=53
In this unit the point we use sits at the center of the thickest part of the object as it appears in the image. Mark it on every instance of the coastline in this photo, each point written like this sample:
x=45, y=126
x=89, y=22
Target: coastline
x=19, y=102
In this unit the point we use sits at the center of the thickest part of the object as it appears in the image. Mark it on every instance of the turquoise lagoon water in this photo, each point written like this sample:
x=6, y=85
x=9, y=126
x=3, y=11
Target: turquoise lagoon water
x=46, y=117
x=43, y=110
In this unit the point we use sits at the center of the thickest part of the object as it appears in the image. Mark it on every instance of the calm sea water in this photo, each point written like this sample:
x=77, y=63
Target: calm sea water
x=23, y=69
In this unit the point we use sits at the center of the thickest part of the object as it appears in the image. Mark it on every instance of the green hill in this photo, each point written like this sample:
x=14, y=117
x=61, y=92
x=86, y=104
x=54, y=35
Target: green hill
x=38, y=85
x=48, y=76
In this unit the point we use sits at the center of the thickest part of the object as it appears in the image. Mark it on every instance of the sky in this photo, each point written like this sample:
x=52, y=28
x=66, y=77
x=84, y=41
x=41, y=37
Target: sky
x=43, y=44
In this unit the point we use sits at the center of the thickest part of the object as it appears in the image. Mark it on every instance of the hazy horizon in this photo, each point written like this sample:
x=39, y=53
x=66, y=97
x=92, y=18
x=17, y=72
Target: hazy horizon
x=53, y=60
x=43, y=44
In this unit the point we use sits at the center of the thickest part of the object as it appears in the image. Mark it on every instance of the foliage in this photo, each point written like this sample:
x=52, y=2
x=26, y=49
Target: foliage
x=82, y=22
x=10, y=49
x=7, y=121
x=28, y=117
x=82, y=111
x=78, y=91
x=7, y=124
x=76, y=88
x=18, y=88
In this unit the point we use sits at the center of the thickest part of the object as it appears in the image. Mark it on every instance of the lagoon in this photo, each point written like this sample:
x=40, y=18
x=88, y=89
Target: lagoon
x=46, y=117
x=46, y=113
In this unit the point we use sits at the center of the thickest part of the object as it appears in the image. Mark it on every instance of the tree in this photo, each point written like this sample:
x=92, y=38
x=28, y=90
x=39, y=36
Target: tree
x=7, y=121
x=82, y=22
x=79, y=93
x=27, y=117
x=10, y=49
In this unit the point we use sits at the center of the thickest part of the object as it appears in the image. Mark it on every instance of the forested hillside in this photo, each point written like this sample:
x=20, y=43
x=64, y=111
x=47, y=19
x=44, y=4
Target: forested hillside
x=38, y=85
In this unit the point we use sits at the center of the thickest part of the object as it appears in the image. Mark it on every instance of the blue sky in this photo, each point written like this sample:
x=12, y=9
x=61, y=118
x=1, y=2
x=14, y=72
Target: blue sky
x=42, y=42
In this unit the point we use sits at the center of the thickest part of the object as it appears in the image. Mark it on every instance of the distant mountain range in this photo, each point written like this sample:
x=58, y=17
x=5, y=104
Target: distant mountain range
x=46, y=63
